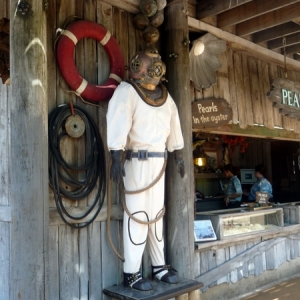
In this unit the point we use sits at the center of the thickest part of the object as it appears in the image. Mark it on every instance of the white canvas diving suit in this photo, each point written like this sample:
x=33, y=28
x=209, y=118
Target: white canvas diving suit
x=132, y=124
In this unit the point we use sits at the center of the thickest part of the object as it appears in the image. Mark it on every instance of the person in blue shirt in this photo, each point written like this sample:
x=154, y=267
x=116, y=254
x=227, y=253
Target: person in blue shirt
x=234, y=191
x=262, y=184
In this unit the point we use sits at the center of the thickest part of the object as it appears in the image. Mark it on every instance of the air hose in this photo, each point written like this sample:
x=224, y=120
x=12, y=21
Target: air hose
x=71, y=181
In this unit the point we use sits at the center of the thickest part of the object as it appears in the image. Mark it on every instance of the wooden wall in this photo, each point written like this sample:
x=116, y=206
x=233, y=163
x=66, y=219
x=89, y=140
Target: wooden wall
x=240, y=259
x=81, y=261
x=244, y=81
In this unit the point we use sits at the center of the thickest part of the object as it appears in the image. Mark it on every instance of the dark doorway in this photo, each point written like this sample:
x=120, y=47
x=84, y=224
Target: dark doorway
x=285, y=171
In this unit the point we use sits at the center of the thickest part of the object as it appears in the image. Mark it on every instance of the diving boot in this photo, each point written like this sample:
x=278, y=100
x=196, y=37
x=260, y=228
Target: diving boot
x=169, y=275
x=135, y=281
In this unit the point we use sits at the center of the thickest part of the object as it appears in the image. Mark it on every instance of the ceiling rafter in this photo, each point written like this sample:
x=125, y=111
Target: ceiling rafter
x=207, y=8
x=276, y=32
x=292, y=49
x=250, y=10
x=268, y=20
x=289, y=41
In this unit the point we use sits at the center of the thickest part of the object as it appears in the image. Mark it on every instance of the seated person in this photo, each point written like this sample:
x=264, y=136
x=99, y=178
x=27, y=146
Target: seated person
x=234, y=191
x=261, y=185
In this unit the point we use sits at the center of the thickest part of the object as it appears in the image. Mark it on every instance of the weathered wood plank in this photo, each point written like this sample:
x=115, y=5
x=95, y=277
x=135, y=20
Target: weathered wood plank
x=273, y=73
x=271, y=19
x=29, y=154
x=5, y=260
x=204, y=262
x=197, y=270
x=84, y=266
x=247, y=91
x=267, y=108
x=250, y=263
x=54, y=262
x=212, y=263
x=281, y=253
x=233, y=273
x=241, y=44
x=68, y=263
x=240, y=95
x=220, y=259
x=232, y=86
x=108, y=258
x=255, y=91
x=231, y=265
x=222, y=77
x=244, y=268
x=95, y=269
x=5, y=142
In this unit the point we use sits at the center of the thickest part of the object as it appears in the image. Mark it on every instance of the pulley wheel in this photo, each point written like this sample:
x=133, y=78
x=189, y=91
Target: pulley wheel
x=75, y=126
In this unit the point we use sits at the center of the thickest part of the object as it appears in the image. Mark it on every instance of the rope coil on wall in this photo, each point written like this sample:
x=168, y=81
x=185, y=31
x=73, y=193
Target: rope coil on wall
x=76, y=182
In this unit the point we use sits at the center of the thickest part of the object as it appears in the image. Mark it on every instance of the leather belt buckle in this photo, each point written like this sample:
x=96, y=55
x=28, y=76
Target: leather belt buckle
x=128, y=155
x=142, y=154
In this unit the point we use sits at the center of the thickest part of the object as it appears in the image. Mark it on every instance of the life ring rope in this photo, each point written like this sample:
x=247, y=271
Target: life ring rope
x=69, y=37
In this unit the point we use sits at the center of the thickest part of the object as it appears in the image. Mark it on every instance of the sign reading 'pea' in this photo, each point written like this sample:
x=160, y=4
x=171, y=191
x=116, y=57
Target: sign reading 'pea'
x=285, y=95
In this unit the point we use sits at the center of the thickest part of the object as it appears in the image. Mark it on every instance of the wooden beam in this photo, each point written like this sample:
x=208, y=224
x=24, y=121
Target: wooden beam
x=241, y=44
x=268, y=20
x=289, y=40
x=291, y=49
x=180, y=191
x=29, y=193
x=208, y=8
x=276, y=32
x=132, y=6
x=255, y=131
x=250, y=10
x=116, y=214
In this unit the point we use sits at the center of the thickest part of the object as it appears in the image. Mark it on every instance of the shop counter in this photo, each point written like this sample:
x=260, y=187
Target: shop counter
x=237, y=222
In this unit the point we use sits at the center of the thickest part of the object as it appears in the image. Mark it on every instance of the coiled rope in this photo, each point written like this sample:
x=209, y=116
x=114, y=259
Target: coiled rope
x=63, y=175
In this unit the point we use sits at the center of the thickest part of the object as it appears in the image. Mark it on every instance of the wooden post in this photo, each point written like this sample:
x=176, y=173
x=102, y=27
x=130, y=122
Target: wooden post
x=180, y=192
x=29, y=153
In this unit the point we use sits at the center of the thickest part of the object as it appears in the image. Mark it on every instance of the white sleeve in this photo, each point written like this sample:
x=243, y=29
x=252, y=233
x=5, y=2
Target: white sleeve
x=118, y=118
x=175, y=139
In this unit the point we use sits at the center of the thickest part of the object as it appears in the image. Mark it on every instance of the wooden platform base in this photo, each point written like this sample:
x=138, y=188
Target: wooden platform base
x=161, y=291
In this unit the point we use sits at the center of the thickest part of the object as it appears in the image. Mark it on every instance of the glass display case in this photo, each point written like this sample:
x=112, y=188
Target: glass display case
x=240, y=222
x=291, y=213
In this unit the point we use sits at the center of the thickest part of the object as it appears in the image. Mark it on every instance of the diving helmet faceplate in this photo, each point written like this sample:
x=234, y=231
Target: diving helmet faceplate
x=146, y=67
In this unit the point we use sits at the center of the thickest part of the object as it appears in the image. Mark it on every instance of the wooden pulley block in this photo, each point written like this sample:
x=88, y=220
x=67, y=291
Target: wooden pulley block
x=148, y=7
x=150, y=35
x=140, y=22
x=157, y=19
x=161, y=4
x=75, y=126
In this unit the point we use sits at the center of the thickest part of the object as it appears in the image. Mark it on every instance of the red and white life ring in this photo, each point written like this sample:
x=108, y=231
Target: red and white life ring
x=65, y=57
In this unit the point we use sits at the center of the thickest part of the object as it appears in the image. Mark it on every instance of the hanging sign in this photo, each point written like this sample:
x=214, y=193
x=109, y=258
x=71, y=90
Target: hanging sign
x=212, y=112
x=285, y=95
